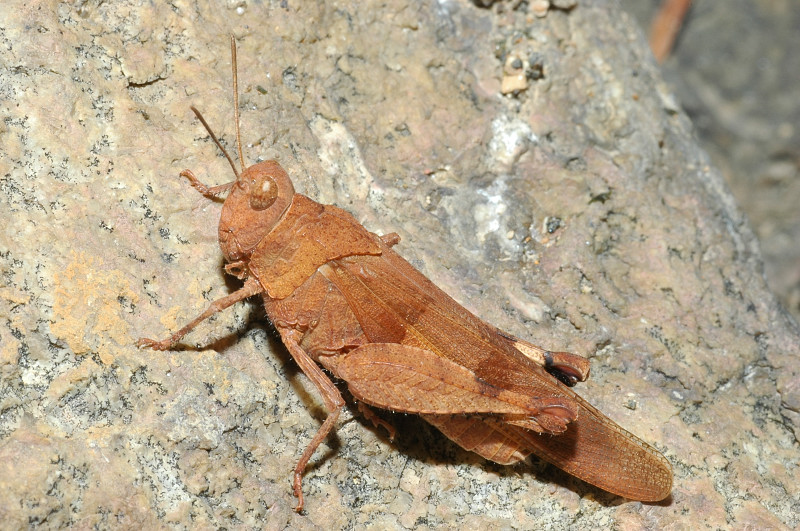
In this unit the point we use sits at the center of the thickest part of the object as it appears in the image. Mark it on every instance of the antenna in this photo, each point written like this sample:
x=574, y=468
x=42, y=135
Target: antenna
x=214, y=138
x=236, y=103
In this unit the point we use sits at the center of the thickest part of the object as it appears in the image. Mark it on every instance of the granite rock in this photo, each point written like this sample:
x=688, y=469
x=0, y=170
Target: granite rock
x=578, y=213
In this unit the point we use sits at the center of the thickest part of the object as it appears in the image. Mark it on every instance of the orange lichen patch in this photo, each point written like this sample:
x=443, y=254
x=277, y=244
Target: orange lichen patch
x=8, y=349
x=87, y=308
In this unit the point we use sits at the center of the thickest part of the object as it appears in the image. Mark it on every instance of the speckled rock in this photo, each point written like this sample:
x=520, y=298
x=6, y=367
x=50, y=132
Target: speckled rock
x=576, y=212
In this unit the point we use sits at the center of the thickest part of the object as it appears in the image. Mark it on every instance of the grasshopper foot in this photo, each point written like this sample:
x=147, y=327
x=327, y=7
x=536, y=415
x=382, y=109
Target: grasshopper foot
x=153, y=344
x=298, y=490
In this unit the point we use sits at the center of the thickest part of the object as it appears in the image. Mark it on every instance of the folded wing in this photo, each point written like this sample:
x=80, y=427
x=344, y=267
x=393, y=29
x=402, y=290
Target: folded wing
x=394, y=303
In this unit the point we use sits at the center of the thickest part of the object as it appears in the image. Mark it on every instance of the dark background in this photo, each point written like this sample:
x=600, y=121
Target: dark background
x=736, y=72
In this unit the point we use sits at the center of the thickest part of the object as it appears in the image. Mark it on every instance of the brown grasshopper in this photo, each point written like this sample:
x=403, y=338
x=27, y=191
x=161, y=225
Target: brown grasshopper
x=343, y=300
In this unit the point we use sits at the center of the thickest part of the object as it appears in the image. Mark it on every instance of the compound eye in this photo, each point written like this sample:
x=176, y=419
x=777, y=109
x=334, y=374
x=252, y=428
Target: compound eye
x=263, y=192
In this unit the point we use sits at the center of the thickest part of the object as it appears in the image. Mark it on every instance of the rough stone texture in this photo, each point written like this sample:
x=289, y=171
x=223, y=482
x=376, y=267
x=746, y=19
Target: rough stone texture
x=578, y=213
x=736, y=72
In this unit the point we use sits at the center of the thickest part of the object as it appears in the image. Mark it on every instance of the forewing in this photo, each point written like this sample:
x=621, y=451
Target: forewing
x=391, y=299
x=396, y=303
x=415, y=380
x=598, y=451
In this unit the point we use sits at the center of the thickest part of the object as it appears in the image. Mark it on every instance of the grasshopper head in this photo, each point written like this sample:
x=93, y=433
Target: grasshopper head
x=256, y=200
x=255, y=204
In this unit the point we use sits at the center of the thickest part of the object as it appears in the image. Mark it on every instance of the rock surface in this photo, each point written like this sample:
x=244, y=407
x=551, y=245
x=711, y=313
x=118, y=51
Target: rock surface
x=577, y=212
x=736, y=73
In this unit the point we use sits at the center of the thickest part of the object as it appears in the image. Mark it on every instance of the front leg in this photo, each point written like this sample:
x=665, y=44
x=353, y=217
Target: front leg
x=211, y=192
x=251, y=287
